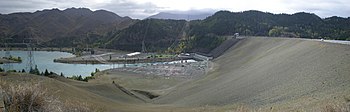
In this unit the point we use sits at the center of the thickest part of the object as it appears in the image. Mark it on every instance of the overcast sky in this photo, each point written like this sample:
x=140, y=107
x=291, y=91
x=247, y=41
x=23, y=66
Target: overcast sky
x=143, y=8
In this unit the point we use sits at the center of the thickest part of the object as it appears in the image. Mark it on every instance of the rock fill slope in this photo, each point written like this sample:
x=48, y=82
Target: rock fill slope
x=267, y=71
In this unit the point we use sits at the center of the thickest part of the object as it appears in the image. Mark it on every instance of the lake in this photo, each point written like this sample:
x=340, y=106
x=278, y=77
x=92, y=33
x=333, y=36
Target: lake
x=44, y=60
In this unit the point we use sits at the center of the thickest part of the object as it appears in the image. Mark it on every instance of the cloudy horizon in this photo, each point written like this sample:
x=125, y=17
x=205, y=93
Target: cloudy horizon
x=140, y=9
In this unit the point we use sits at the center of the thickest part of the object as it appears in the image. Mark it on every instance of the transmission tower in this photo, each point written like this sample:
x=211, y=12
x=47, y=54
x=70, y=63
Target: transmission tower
x=30, y=59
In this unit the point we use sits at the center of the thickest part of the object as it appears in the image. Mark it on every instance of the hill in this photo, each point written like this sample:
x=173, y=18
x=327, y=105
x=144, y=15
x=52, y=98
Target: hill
x=157, y=35
x=78, y=27
x=257, y=23
x=105, y=96
x=204, y=35
x=54, y=27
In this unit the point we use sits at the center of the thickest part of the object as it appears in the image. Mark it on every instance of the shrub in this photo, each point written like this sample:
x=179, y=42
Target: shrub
x=11, y=71
x=35, y=70
x=62, y=75
x=23, y=71
x=77, y=77
x=33, y=98
x=46, y=73
x=97, y=70
x=28, y=98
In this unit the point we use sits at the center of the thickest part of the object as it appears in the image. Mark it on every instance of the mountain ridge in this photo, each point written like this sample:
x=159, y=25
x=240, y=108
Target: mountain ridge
x=77, y=27
x=49, y=25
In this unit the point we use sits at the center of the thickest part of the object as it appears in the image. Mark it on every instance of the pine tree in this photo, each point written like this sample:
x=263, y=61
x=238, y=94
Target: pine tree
x=80, y=78
x=35, y=70
x=46, y=73
x=31, y=70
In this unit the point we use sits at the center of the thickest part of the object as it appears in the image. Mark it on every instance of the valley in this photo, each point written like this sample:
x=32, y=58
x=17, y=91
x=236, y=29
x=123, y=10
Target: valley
x=79, y=59
x=257, y=73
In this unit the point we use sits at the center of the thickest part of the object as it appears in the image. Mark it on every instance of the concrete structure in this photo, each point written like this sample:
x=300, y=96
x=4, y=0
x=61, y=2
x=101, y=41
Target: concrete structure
x=197, y=56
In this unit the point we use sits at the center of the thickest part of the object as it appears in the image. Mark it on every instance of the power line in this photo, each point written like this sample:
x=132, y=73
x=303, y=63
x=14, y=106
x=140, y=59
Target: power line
x=144, y=50
x=30, y=54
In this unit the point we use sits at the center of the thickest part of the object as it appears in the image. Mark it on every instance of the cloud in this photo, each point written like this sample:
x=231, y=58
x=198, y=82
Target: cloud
x=120, y=7
x=323, y=8
x=9, y=6
x=192, y=11
x=131, y=8
x=144, y=8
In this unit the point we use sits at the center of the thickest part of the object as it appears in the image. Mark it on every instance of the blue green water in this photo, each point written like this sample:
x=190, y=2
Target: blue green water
x=44, y=60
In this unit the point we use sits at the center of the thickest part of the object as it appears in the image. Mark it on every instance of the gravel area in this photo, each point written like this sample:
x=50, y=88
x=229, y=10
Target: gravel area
x=188, y=70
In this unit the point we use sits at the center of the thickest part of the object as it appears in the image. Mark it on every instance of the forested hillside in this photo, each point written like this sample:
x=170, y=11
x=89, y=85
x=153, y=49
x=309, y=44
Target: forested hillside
x=60, y=28
x=205, y=35
x=85, y=28
x=156, y=34
x=256, y=23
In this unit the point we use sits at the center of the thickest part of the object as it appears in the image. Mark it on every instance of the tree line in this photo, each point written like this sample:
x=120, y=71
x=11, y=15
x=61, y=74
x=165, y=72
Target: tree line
x=51, y=74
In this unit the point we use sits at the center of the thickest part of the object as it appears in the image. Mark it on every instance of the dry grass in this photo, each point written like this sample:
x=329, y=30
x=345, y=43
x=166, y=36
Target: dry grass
x=347, y=98
x=33, y=97
x=77, y=106
x=328, y=107
x=336, y=108
x=227, y=108
x=28, y=98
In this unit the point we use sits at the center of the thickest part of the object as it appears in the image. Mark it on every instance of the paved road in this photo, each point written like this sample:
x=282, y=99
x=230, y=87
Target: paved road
x=337, y=41
x=329, y=41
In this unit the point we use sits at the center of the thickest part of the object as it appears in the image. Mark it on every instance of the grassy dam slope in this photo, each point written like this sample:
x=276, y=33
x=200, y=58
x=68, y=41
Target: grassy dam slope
x=267, y=71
